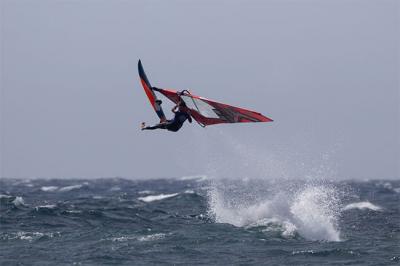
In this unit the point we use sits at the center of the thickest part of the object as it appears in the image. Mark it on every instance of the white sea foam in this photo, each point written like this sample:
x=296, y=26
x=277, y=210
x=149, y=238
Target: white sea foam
x=286, y=228
x=69, y=188
x=312, y=211
x=49, y=188
x=364, y=205
x=122, y=238
x=49, y=206
x=152, y=198
x=145, y=192
x=388, y=186
x=315, y=211
x=289, y=229
x=18, y=201
x=198, y=178
x=152, y=237
x=30, y=236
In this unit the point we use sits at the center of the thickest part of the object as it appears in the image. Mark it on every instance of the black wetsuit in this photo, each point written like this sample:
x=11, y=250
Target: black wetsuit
x=174, y=124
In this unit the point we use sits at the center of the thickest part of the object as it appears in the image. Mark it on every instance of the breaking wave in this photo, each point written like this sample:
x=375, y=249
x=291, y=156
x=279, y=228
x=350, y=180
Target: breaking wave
x=388, y=186
x=18, y=201
x=7, y=200
x=49, y=188
x=64, y=189
x=312, y=211
x=73, y=187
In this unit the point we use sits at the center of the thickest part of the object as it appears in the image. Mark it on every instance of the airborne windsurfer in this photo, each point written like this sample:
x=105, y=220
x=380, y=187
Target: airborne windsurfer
x=206, y=112
x=182, y=114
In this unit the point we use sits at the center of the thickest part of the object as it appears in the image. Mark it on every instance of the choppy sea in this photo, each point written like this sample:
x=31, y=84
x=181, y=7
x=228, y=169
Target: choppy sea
x=199, y=221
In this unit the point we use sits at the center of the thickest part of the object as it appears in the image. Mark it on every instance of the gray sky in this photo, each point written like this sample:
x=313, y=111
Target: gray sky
x=327, y=72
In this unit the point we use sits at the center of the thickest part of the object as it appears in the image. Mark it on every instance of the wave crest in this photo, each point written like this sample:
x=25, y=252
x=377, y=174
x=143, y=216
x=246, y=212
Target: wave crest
x=152, y=198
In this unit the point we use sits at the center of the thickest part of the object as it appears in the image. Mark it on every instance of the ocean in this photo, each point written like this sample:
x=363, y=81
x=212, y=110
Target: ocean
x=199, y=221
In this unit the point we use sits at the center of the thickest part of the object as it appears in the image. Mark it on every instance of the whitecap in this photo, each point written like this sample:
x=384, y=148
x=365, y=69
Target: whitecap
x=151, y=237
x=18, y=201
x=49, y=206
x=302, y=252
x=30, y=236
x=122, y=238
x=364, y=205
x=69, y=188
x=388, y=185
x=198, y=178
x=49, y=188
x=152, y=198
x=145, y=192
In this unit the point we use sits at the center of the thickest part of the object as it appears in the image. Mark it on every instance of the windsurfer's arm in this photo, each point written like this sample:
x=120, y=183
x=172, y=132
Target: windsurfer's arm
x=175, y=108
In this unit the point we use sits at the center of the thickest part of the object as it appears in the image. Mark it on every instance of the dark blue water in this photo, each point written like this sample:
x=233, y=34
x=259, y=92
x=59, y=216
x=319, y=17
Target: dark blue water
x=198, y=221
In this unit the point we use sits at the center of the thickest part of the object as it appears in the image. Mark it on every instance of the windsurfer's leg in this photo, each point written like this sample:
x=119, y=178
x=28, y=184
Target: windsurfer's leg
x=157, y=126
x=152, y=127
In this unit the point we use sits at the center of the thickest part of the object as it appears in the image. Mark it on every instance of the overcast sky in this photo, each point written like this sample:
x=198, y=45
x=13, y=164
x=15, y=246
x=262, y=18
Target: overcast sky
x=327, y=72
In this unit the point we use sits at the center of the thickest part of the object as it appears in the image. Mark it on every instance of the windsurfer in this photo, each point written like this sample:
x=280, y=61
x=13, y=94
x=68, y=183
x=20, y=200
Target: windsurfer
x=182, y=113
